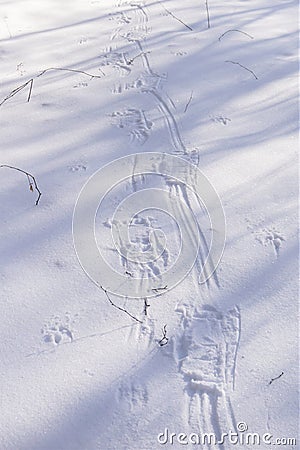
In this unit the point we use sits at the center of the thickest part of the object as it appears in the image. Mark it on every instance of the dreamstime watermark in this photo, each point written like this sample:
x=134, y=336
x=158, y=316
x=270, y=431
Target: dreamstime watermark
x=239, y=437
x=176, y=175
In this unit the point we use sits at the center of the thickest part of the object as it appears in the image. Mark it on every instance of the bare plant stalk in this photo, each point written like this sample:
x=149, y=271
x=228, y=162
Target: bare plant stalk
x=30, y=90
x=237, y=31
x=244, y=67
x=131, y=60
x=31, y=180
x=18, y=89
x=70, y=70
x=164, y=340
x=30, y=82
x=174, y=17
x=157, y=290
x=276, y=378
x=207, y=14
x=188, y=103
x=146, y=306
x=119, y=307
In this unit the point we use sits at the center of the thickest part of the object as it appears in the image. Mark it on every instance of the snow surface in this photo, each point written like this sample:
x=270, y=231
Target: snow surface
x=75, y=372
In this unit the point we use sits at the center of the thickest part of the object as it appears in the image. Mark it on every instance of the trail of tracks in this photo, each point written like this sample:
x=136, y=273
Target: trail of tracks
x=151, y=83
x=207, y=344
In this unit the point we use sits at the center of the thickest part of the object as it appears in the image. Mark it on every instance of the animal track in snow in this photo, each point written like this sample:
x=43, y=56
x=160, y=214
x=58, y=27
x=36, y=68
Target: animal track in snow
x=58, y=330
x=89, y=372
x=83, y=40
x=139, y=28
x=135, y=122
x=132, y=394
x=77, y=168
x=142, y=242
x=81, y=84
x=206, y=352
x=143, y=82
x=143, y=333
x=148, y=82
x=180, y=53
x=175, y=51
x=118, y=88
x=270, y=236
x=221, y=119
x=120, y=17
x=20, y=69
x=151, y=83
x=117, y=60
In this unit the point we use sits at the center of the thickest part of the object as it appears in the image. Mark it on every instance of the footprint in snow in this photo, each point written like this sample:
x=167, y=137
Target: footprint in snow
x=221, y=119
x=81, y=84
x=132, y=394
x=270, y=236
x=206, y=353
x=58, y=330
x=83, y=40
x=78, y=168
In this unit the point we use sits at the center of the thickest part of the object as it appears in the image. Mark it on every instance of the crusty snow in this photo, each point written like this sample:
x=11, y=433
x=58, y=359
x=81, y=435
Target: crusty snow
x=77, y=373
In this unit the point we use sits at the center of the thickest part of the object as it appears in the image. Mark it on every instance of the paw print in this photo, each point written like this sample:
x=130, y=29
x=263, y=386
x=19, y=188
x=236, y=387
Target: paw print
x=20, y=69
x=221, y=119
x=58, y=330
x=82, y=84
x=132, y=395
x=83, y=40
x=270, y=236
x=78, y=168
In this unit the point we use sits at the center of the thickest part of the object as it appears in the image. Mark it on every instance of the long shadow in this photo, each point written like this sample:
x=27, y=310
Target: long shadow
x=51, y=30
x=221, y=81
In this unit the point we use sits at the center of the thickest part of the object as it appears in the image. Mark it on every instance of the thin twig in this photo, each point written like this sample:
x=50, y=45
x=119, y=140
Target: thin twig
x=164, y=340
x=188, y=103
x=130, y=61
x=246, y=68
x=276, y=378
x=29, y=178
x=30, y=90
x=237, y=31
x=146, y=306
x=176, y=18
x=207, y=14
x=16, y=90
x=30, y=82
x=159, y=289
x=119, y=307
x=76, y=340
x=69, y=70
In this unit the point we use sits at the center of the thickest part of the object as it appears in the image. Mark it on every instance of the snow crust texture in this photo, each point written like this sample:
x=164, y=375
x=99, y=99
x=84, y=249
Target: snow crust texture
x=85, y=84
